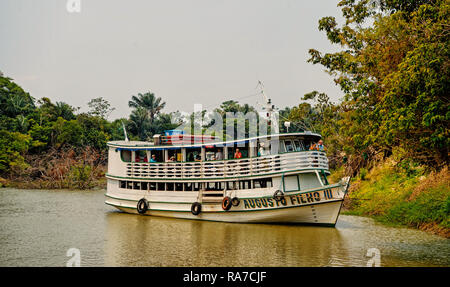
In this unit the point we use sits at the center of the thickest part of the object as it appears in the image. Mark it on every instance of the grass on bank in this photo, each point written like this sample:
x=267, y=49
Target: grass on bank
x=411, y=197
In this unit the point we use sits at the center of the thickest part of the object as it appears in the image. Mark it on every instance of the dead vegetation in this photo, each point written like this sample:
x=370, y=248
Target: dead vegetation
x=63, y=168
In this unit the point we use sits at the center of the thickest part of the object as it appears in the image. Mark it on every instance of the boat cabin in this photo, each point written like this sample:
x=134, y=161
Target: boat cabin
x=181, y=164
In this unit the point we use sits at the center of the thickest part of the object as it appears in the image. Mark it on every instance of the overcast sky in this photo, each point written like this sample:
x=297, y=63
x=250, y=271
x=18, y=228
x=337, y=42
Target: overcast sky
x=184, y=51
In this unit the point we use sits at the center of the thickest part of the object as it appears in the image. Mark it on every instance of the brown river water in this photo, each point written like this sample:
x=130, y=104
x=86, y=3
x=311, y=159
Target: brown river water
x=38, y=227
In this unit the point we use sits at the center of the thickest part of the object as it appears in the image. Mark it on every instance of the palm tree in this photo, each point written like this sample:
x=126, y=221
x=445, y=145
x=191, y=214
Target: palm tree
x=139, y=123
x=149, y=102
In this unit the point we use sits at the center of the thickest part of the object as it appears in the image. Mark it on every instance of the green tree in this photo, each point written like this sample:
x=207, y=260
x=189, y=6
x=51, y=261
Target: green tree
x=394, y=74
x=151, y=104
x=13, y=147
x=140, y=123
x=100, y=107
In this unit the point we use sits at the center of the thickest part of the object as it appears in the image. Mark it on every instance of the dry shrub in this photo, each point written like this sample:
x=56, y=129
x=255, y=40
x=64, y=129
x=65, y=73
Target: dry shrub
x=435, y=228
x=65, y=168
x=434, y=179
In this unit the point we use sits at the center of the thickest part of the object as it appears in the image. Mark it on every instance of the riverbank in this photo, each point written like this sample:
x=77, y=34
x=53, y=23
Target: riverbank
x=64, y=168
x=395, y=196
x=97, y=183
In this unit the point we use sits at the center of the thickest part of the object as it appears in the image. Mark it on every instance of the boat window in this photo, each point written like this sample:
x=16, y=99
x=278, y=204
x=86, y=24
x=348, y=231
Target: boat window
x=210, y=186
x=152, y=185
x=122, y=184
x=262, y=183
x=125, y=155
x=231, y=185
x=188, y=186
x=210, y=155
x=217, y=186
x=179, y=186
x=140, y=156
x=156, y=156
x=308, y=144
x=299, y=146
x=193, y=154
x=129, y=185
x=161, y=186
x=289, y=146
x=211, y=152
x=244, y=184
x=169, y=186
x=136, y=185
x=291, y=183
x=174, y=155
x=144, y=185
x=282, y=147
x=308, y=180
x=197, y=186
x=323, y=177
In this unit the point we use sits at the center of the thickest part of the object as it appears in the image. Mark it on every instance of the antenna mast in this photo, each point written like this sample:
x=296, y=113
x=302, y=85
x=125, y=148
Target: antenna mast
x=269, y=108
x=125, y=131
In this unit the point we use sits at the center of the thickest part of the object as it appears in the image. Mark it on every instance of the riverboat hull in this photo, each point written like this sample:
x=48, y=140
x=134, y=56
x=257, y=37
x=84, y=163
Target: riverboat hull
x=315, y=206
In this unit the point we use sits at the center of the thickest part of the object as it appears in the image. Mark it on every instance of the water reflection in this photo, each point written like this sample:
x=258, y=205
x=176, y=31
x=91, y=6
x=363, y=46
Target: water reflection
x=155, y=241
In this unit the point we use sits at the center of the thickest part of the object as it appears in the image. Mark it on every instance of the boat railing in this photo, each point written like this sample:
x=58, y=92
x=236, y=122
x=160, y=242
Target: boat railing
x=230, y=168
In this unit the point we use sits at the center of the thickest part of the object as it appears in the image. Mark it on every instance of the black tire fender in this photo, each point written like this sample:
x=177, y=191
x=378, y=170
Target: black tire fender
x=278, y=195
x=235, y=201
x=196, y=208
x=142, y=206
x=226, y=203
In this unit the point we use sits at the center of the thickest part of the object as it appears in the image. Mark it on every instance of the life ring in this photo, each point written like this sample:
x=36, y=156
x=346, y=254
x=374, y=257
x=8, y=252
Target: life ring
x=278, y=195
x=226, y=203
x=142, y=206
x=196, y=208
x=235, y=201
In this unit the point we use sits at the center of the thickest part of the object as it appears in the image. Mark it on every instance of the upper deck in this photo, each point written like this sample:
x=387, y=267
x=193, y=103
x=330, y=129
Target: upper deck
x=259, y=156
x=178, y=141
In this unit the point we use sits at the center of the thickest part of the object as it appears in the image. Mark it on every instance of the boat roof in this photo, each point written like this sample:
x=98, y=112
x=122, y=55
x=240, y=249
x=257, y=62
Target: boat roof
x=150, y=145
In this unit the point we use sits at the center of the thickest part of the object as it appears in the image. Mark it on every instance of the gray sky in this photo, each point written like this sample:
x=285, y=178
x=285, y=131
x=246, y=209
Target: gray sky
x=184, y=51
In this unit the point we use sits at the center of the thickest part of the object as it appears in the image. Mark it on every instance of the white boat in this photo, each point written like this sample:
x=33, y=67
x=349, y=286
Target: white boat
x=278, y=179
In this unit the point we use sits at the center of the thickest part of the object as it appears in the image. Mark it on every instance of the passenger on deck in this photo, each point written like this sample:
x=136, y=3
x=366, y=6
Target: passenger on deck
x=197, y=158
x=153, y=159
x=137, y=159
x=261, y=151
x=172, y=159
x=318, y=146
x=237, y=154
x=219, y=155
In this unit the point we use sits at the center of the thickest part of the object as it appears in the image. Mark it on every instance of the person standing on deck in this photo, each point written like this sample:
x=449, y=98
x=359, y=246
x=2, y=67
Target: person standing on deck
x=318, y=146
x=237, y=154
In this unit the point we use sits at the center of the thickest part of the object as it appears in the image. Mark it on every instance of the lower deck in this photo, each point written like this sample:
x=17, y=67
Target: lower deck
x=318, y=205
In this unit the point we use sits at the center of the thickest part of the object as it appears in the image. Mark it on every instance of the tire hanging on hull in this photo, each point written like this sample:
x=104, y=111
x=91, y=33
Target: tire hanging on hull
x=278, y=195
x=235, y=201
x=196, y=208
x=226, y=203
x=142, y=206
